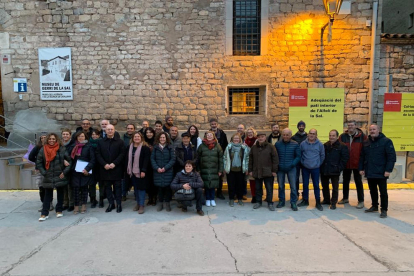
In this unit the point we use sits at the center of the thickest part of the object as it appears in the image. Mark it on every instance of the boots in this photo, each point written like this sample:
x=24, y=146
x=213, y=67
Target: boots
x=136, y=207
x=141, y=210
x=159, y=206
x=93, y=202
x=167, y=206
x=101, y=202
x=319, y=205
x=110, y=208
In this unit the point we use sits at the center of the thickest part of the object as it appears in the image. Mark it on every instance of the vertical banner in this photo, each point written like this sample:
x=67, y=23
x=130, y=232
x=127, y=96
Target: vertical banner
x=398, y=124
x=319, y=108
x=55, y=71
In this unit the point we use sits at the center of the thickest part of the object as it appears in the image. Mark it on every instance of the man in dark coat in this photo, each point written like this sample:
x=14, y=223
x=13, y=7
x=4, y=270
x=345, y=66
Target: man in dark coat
x=184, y=152
x=263, y=165
x=336, y=156
x=145, y=125
x=353, y=139
x=110, y=155
x=103, y=125
x=169, y=122
x=299, y=137
x=222, y=140
x=376, y=164
x=275, y=136
x=126, y=181
x=86, y=127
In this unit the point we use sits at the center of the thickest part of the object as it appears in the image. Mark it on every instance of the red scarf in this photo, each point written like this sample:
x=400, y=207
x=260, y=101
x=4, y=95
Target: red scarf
x=77, y=150
x=50, y=153
x=250, y=141
x=209, y=144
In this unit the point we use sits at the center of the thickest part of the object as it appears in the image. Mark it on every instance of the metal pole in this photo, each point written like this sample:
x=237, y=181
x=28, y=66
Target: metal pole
x=372, y=65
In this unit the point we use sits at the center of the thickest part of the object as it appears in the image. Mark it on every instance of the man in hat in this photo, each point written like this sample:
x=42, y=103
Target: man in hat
x=184, y=152
x=299, y=137
x=169, y=122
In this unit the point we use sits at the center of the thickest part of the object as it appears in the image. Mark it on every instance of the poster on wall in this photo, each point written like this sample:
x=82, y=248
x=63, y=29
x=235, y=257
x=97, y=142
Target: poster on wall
x=398, y=123
x=55, y=71
x=319, y=108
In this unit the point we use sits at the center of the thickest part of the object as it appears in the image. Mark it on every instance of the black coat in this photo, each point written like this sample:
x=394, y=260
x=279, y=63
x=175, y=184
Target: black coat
x=51, y=176
x=110, y=151
x=33, y=154
x=144, y=164
x=299, y=138
x=163, y=158
x=89, y=132
x=180, y=153
x=377, y=157
x=336, y=157
x=79, y=179
x=193, y=179
x=222, y=139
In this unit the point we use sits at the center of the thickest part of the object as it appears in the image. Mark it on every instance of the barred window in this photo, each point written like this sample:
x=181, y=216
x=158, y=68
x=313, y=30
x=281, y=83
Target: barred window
x=246, y=27
x=246, y=100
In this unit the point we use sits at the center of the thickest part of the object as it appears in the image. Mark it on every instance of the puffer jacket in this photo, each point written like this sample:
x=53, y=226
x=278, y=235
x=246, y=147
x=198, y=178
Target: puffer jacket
x=377, y=157
x=51, y=176
x=163, y=158
x=354, y=145
x=336, y=157
x=245, y=150
x=210, y=164
x=263, y=160
x=87, y=155
x=289, y=155
x=193, y=179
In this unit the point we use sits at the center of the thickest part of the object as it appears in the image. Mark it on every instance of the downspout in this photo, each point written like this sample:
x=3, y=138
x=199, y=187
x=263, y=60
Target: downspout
x=372, y=65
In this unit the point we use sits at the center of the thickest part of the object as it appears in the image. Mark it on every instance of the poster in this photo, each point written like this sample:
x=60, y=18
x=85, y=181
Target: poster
x=319, y=108
x=55, y=71
x=398, y=123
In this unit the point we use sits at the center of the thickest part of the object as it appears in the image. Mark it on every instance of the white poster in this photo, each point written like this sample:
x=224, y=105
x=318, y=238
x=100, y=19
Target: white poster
x=55, y=71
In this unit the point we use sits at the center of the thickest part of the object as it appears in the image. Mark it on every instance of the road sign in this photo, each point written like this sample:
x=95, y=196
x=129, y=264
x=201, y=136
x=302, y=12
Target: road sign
x=20, y=85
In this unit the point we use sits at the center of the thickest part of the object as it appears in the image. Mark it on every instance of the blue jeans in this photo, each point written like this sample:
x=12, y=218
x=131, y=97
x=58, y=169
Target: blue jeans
x=139, y=193
x=292, y=182
x=314, y=173
x=210, y=193
x=298, y=168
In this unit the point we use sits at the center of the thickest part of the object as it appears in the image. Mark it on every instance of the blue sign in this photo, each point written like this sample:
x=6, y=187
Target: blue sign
x=20, y=85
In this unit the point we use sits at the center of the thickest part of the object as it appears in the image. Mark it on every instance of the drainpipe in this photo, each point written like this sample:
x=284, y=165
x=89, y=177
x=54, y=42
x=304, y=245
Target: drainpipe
x=372, y=65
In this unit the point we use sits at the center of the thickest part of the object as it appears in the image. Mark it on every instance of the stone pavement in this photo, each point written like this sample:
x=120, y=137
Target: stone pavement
x=227, y=241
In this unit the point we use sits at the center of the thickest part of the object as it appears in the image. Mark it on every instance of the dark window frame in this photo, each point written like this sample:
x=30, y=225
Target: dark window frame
x=243, y=90
x=246, y=27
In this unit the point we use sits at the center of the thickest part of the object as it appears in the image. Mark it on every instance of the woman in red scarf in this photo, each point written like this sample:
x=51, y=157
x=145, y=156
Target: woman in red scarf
x=250, y=141
x=83, y=159
x=50, y=163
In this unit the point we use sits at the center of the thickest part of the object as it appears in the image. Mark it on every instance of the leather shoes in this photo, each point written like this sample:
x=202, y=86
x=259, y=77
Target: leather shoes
x=119, y=208
x=294, y=207
x=280, y=204
x=200, y=212
x=110, y=208
x=372, y=209
x=101, y=203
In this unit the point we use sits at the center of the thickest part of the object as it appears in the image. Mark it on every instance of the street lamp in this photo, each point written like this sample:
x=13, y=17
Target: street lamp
x=332, y=8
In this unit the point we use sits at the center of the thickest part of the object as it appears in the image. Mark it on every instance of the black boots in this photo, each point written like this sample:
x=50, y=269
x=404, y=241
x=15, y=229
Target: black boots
x=319, y=205
x=110, y=208
x=101, y=202
x=118, y=208
x=93, y=202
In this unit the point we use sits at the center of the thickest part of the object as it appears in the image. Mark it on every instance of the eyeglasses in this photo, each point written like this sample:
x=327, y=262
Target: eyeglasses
x=312, y=133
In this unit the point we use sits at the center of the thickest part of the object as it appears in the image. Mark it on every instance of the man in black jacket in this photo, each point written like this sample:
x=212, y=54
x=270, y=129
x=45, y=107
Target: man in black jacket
x=86, y=127
x=185, y=152
x=275, y=136
x=376, y=164
x=336, y=157
x=222, y=140
x=299, y=137
x=110, y=155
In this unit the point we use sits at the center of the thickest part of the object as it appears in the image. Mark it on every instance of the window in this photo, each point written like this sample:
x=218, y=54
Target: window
x=246, y=27
x=246, y=100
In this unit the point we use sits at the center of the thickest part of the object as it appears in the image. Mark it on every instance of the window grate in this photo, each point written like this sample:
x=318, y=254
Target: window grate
x=246, y=27
x=244, y=100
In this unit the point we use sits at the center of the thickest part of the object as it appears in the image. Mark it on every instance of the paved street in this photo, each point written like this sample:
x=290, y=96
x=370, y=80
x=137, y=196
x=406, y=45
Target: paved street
x=227, y=241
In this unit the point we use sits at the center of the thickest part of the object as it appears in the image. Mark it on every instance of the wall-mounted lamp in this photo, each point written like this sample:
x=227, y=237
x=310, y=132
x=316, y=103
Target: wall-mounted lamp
x=332, y=8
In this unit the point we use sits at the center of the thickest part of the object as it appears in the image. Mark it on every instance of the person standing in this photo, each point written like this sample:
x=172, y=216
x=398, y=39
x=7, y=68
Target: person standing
x=312, y=157
x=336, y=157
x=110, y=155
x=137, y=164
x=85, y=127
x=50, y=163
x=275, y=136
x=145, y=125
x=195, y=139
x=162, y=161
x=103, y=125
x=151, y=188
x=299, y=137
x=241, y=131
x=353, y=139
x=185, y=152
x=169, y=122
x=289, y=156
x=210, y=156
x=376, y=164
x=158, y=127
x=222, y=140
x=93, y=141
x=236, y=165
x=80, y=181
x=263, y=164
x=251, y=138
x=68, y=143
x=126, y=181
x=174, y=135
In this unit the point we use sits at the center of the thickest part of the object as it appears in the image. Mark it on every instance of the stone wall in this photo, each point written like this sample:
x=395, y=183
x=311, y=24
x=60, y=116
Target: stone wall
x=135, y=60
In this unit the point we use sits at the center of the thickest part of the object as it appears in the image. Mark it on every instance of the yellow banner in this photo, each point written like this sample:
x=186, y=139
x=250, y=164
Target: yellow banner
x=398, y=124
x=319, y=108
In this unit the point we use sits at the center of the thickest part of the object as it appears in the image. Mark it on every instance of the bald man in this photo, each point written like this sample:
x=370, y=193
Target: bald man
x=289, y=156
x=104, y=123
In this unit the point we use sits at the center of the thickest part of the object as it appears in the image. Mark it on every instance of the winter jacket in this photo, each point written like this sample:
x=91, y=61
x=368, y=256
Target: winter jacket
x=176, y=142
x=313, y=154
x=180, y=154
x=193, y=179
x=289, y=155
x=354, y=145
x=210, y=164
x=51, y=176
x=89, y=132
x=299, y=138
x=336, y=157
x=221, y=138
x=78, y=179
x=163, y=158
x=144, y=165
x=33, y=154
x=269, y=139
x=110, y=151
x=263, y=160
x=227, y=161
x=126, y=139
x=377, y=156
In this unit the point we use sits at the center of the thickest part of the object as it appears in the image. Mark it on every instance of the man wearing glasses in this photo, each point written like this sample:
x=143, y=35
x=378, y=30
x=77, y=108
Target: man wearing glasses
x=313, y=154
x=86, y=127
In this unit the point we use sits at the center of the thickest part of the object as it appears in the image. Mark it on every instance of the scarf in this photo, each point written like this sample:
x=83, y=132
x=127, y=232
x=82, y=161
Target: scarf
x=235, y=149
x=77, y=150
x=209, y=144
x=50, y=153
x=250, y=141
x=134, y=168
x=94, y=142
x=161, y=146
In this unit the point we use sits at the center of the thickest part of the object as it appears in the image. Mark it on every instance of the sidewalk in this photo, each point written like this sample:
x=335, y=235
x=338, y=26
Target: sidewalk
x=226, y=241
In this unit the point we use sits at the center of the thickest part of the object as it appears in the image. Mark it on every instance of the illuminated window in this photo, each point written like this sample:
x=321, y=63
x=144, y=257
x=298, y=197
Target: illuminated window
x=246, y=100
x=246, y=27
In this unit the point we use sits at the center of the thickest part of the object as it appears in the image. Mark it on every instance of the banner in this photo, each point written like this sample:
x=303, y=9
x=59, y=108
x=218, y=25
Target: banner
x=398, y=123
x=319, y=108
x=55, y=71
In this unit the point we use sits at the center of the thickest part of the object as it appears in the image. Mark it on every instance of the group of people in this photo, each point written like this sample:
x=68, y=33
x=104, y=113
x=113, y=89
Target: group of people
x=159, y=163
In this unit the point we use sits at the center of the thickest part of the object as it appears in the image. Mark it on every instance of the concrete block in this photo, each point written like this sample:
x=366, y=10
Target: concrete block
x=396, y=175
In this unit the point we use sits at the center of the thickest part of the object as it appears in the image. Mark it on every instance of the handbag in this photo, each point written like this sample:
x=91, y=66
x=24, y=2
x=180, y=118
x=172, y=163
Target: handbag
x=183, y=194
